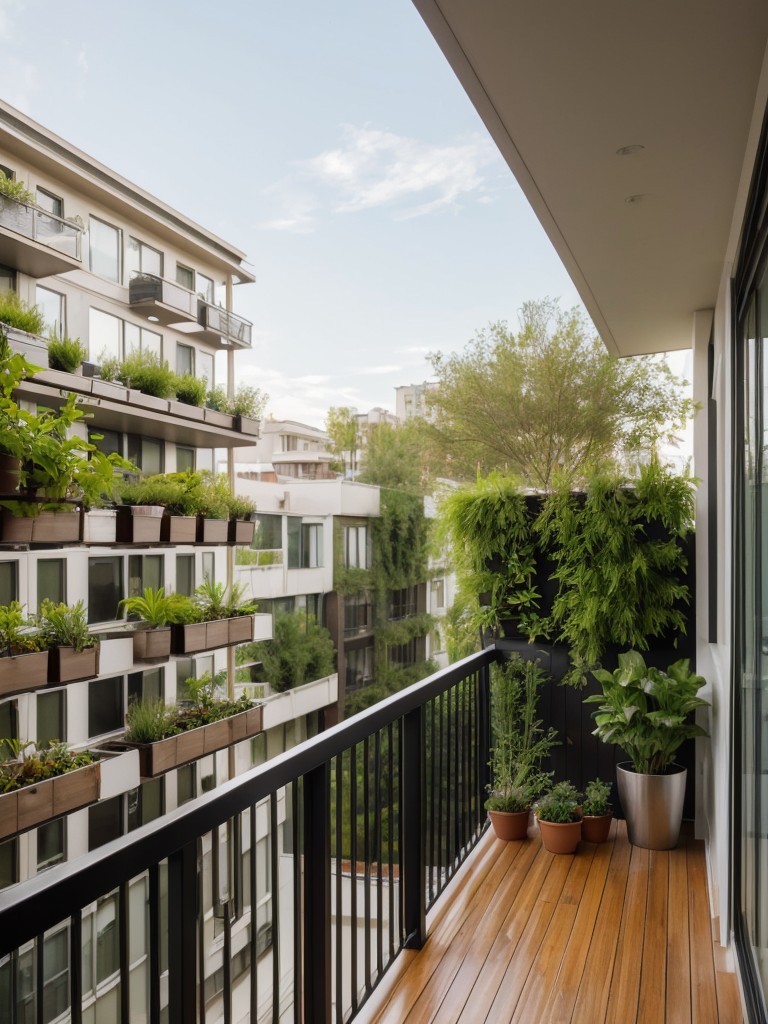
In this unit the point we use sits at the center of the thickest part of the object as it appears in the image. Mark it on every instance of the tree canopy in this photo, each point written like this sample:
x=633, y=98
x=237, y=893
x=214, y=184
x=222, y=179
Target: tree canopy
x=341, y=427
x=548, y=402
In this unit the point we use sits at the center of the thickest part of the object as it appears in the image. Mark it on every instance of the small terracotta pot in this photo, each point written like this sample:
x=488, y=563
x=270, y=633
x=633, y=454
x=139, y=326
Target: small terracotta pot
x=560, y=837
x=510, y=825
x=595, y=828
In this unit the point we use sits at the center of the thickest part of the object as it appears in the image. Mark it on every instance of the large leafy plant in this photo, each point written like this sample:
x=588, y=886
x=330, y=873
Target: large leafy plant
x=647, y=711
x=63, y=625
x=155, y=607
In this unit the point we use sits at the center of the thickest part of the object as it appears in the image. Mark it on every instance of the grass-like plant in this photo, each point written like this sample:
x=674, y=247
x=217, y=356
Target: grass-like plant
x=148, y=373
x=217, y=400
x=190, y=389
x=63, y=625
x=240, y=507
x=66, y=353
x=17, y=313
x=147, y=721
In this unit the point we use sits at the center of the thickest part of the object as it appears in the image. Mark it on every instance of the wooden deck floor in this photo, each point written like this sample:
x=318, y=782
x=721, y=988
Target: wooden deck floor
x=613, y=933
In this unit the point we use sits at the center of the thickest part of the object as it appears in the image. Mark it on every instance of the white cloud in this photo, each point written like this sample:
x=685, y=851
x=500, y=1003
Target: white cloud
x=375, y=371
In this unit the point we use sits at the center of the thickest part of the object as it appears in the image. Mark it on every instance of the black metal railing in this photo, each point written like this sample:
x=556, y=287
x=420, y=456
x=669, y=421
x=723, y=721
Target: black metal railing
x=284, y=894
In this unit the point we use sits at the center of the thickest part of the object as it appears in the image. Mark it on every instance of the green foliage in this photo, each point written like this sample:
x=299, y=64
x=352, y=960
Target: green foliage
x=66, y=353
x=148, y=373
x=63, y=625
x=403, y=630
x=341, y=427
x=155, y=607
x=596, y=797
x=647, y=711
x=400, y=540
x=248, y=402
x=547, y=401
x=300, y=652
x=190, y=389
x=147, y=721
x=16, y=636
x=16, y=313
x=241, y=507
x=560, y=804
x=217, y=601
x=520, y=743
x=393, y=457
x=45, y=761
x=620, y=576
x=179, y=493
x=217, y=400
x=248, y=556
x=15, y=189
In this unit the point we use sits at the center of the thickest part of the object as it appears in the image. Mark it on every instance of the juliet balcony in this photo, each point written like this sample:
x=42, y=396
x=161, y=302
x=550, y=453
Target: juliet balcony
x=35, y=242
x=293, y=890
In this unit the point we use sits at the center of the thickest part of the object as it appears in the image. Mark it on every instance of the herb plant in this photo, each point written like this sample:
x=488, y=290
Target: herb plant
x=596, y=799
x=560, y=804
x=147, y=372
x=41, y=762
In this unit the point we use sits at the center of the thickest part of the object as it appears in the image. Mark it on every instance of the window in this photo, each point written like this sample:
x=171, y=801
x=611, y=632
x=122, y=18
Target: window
x=105, y=706
x=109, y=337
x=51, y=840
x=205, y=367
x=438, y=593
x=147, y=453
x=185, y=360
x=305, y=544
x=185, y=575
x=145, y=803
x=357, y=614
x=268, y=534
x=51, y=580
x=49, y=202
x=9, y=582
x=105, y=822
x=209, y=566
x=9, y=726
x=107, y=441
x=104, y=247
x=204, y=459
x=188, y=668
x=185, y=276
x=145, y=685
x=51, y=306
x=101, y=940
x=7, y=279
x=355, y=546
x=185, y=459
x=359, y=667
x=402, y=603
x=186, y=784
x=139, y=339
x=51, y=716
x=9, y=857
x=105, y=588
x=409, y=653
x=205, y=288
x=142, y=258
x=145, y=571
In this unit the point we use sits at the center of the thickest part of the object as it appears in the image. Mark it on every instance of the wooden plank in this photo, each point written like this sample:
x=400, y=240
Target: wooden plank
x=678, y=1003
x=625, y=983
x=703, y=988
x=728, y=1000
x=651, y=1003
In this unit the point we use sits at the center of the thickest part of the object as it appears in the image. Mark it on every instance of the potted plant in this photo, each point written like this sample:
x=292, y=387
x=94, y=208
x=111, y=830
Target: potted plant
x=66, y=354
x=596, y=811
x=24, y=326
x=190, y=390
x=519, y=746
x=648, y=713
x=246, y=406
x=156, y=610
x=147, y=373
x=23, y=655
x=559, y=817
x=44, y=782
x=217, y=408
x=213, y=517
x=73, y=651
x=241, y=526
x=140, y=514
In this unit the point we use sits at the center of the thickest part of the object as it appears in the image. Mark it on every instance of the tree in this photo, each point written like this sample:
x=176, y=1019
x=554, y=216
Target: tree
x=393, y=457
x=341, y=427
x=548, y=402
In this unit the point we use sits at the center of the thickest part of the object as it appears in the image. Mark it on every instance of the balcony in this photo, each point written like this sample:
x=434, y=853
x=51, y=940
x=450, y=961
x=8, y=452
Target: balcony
x=223, y=329
x=162, y=301
x=290, y=891
x=35, y=242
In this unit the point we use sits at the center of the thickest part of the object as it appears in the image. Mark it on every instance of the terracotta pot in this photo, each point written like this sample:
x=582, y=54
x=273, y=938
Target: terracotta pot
x=178, y=529
x=595, y=828
x=212, y=531
x=152, y=643
x=241, y=531
x=23, y=672
x=509, y=825
x=560, y=838
x=66, y=665
x=139, y=524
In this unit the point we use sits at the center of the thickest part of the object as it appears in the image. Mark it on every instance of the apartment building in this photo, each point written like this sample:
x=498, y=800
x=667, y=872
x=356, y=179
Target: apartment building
x=286, y=451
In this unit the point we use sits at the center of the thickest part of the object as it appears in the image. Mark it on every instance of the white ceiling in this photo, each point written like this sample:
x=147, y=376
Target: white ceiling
x=563, y=84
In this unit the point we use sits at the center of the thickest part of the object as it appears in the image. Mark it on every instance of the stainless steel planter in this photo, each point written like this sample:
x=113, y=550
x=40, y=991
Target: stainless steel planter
x=653, y=805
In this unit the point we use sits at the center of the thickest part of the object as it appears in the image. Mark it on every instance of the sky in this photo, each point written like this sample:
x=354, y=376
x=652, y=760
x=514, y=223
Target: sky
x=331, y=142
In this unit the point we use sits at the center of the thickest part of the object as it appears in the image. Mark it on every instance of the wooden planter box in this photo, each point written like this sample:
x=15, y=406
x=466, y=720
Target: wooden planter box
x=241, y=629
x=139, y=524
x=178, y=529
x=165, y=755
x=66, y=665
x=188, y=638
x=212, y=531
x=241, y=531
x=30, y=806
x=149, y=644
x=23, y=672
x=248, y=425
x=46, y=528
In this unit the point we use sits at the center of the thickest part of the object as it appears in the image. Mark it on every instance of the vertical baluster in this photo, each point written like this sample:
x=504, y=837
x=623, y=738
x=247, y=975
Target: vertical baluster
x=274, y=855
x=413, y=829
x=378, y=817
x=298, y=957
x=122, y=933
x=441, y=786
x=182, y=940
x=317, y=895
x=339, y=890
x=391, y=842
x=432, y=819
x=76, y=968
x=367, y=864
x=254, y=979
x=353, y=873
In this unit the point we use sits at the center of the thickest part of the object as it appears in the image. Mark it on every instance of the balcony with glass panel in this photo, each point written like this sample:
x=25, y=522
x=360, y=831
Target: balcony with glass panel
x=222, y=328
x=162, y=301
x=36, y=242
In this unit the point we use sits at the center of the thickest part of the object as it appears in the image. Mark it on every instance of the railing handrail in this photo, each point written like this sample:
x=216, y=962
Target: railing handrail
x=137, y=275
x=225, y=312
x=46, y=213
x=29, y=908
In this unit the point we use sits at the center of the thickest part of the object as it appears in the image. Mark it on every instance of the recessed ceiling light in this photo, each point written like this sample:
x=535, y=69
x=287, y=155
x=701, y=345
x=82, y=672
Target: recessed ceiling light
x=630, y=150
x=154, y=319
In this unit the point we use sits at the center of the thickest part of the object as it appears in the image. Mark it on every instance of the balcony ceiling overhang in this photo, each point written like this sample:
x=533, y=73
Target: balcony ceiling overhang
x=563, y=86
x=33, y=258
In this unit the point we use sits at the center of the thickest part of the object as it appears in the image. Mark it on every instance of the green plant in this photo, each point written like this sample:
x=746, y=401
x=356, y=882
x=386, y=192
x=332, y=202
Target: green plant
x=154, y=606
x=147, y=372
x=179, y=493
x=41, y=762
x=190, y=389
x=16, y=313
x=110, y=368
x=248, y=402
x=300, y=652
x=215, y=495
x=147, y=721
x=63, y=625
x=520, y=743
x=217, y=601
x=66, y=353
x=14, y=189
x=560, y=804
x=217, y=400
x=15, y=634
x=647, y=711
x=240, y=507
x=596, y=799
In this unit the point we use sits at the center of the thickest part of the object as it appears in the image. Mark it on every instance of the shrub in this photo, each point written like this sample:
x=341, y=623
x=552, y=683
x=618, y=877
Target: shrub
x=148, y=373
x=217, y=400
x=240, y=507
x=16, y=313
x=190, y=390
x=15, y=190
x=66, y=354
x=248, y=402
x=300, y=652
